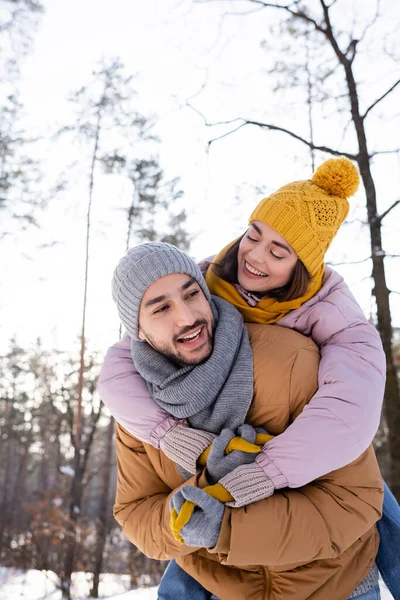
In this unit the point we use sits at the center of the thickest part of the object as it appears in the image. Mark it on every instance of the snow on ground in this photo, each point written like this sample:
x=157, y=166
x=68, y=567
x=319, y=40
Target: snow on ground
x=40, y=585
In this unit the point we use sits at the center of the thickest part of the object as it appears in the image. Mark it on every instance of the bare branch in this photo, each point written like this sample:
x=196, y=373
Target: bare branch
x=387, y=211
x=288, y=132
x=187, y=103
x=206, y=123
x=372, y=22
x=70, y=422
x=345, y=129
x=389, y=52
x=351, y=51
x=93, y=472
x=349, y=262
x=352, y=221
x=364, y=279
x=95, y=416
x=394, y=151
x=220, y=137
x=247, y=12
x=381, y=98
x=197, y=111
x=359, y=262
x=328, y=32
x=299, y=15
x=286, y=8
x=199, y=91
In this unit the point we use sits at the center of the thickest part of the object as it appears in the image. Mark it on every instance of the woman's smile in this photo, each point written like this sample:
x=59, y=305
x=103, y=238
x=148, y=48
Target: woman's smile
x=265, y=259
x=252, y=271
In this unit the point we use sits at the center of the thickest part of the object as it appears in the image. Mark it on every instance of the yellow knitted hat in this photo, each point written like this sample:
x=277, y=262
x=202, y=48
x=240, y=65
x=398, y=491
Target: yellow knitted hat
x=309, y=213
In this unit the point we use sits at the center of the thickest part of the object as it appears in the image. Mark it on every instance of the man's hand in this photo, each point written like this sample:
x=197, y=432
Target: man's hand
x=220, y=461
x=204, y=524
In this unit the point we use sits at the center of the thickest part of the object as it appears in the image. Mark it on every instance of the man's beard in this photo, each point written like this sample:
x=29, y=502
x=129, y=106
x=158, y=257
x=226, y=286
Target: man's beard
x=175, y=356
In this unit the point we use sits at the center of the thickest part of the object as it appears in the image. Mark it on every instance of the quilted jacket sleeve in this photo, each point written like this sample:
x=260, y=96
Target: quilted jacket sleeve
x=343, y=416
x=142, y=500
x=126, y=396
x=319, y=521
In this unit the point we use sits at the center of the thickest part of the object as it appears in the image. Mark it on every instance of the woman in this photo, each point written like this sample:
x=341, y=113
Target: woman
x=275, y=273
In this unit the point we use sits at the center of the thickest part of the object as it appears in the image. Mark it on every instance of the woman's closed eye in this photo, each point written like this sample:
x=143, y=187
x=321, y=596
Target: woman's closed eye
x=251, y=238
x=276, y=256
x=271, y=252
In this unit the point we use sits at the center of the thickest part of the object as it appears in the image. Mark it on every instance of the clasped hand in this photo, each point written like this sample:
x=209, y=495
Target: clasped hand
x=196, y=514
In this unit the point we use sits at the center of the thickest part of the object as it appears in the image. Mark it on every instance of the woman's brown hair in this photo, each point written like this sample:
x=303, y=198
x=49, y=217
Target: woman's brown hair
x=227, y=269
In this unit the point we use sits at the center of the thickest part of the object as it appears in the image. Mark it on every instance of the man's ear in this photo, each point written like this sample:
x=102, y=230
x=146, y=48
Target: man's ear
x=141, y=335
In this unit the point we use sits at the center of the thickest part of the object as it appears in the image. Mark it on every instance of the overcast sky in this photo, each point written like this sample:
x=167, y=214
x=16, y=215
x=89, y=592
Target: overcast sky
x=176, y=49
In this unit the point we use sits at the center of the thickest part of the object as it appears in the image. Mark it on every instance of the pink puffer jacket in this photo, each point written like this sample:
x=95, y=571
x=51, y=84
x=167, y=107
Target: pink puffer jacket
x=334, y=428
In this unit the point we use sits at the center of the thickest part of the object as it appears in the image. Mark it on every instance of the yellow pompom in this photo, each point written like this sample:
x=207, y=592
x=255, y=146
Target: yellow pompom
x=337, y=177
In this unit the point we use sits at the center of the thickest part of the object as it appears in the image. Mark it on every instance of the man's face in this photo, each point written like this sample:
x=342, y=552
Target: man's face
x=175, y=318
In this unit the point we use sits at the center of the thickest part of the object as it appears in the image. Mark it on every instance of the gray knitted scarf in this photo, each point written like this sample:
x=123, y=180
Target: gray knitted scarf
x=214, y=394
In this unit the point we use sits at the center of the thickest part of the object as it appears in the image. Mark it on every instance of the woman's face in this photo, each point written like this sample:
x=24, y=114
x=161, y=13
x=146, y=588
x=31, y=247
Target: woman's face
x=265, y=259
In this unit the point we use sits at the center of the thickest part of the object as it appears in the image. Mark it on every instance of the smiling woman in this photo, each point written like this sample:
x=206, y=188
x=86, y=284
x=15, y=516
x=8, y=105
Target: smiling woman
x=234, y=268
x=265, y=259
x=280, y=259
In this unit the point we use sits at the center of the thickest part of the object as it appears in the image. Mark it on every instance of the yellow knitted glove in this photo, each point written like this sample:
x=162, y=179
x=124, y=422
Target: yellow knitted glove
x=179, y=520
x=263, y=438
x=238, y=443
x=217, y=491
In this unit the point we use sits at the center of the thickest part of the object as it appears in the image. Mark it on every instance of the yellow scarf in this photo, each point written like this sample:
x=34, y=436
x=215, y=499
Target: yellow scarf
x=268, y=310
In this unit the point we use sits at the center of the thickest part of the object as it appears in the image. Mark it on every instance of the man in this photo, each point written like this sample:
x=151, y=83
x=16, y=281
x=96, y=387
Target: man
x=192, y=350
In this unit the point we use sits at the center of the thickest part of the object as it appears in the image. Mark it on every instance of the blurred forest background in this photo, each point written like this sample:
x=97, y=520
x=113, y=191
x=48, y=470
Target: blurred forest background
x=329, y=85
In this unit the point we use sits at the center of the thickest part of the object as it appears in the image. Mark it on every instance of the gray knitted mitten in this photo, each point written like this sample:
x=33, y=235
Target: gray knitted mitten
x=184, y=445
x=247, y=484
x=204, y=526
x=220, y=464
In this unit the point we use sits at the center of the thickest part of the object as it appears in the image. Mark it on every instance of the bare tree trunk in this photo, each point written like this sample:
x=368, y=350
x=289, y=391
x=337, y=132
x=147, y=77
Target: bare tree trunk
x=7, y=458
x=380, y=291
x=76, y=489
x=19, y=486
x=71, y=527
x=134, y=572
x=392, y=396
x=103, y=517
x=363, y=158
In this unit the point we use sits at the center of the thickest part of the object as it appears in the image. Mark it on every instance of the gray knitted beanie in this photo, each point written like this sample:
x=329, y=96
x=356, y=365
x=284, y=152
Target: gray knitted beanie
x=138, y=269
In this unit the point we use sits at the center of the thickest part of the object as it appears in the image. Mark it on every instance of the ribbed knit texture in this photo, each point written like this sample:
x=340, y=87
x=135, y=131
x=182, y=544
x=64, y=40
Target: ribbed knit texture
x=371, y=580
x=213, y=395
x=309, y=213
x=247, y=484
x=184, y=445
x=138, y=269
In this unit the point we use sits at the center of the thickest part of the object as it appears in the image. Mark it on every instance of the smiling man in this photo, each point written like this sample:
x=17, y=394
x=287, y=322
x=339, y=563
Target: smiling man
x=192, y=353
x=175, y=318
x=163, y=299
